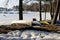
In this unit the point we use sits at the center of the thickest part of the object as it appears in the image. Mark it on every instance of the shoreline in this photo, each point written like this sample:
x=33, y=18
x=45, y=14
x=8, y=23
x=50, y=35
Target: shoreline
x=47, y=28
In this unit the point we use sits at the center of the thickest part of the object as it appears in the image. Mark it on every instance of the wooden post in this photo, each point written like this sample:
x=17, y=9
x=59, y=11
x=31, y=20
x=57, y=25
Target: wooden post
x=40, y=11
x=20, y=10
x=56, y=14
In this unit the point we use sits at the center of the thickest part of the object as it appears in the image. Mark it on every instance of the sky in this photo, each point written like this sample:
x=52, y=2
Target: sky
x=10, y=4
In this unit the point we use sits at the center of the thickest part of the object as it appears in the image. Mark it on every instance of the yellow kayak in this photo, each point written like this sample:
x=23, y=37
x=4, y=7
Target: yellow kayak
x=44, y=22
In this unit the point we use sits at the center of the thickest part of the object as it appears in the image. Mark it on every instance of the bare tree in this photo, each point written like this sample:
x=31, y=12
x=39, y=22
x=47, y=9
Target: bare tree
x=57, y=12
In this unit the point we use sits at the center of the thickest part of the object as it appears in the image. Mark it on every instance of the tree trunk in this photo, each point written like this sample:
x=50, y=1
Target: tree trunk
x=20, y=10
x=56, y=14
x=45, y=11
x=51, y=10
x=59, y=14
x=40, y=11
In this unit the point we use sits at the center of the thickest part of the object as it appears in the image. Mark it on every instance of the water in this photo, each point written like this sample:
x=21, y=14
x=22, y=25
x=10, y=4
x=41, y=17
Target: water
x=7, y=18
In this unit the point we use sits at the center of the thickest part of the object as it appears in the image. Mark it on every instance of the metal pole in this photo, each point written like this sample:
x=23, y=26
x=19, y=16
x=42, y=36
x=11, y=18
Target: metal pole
x=20, y=10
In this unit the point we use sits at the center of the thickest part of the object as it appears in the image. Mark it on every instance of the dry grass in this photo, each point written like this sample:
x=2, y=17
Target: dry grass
x=7, y=28
x=51, y=28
